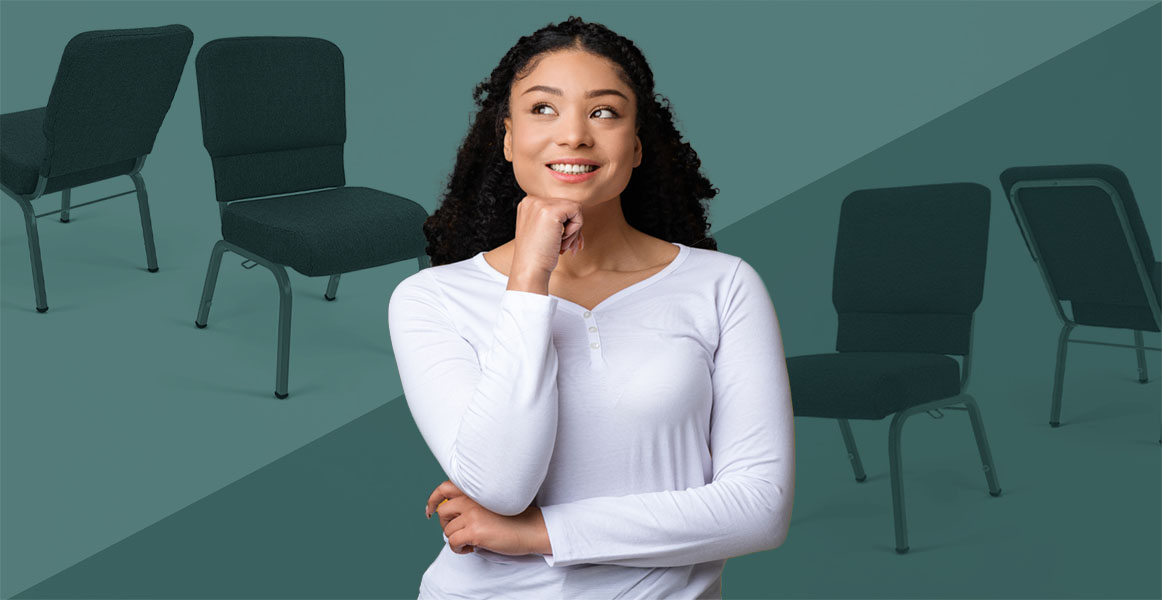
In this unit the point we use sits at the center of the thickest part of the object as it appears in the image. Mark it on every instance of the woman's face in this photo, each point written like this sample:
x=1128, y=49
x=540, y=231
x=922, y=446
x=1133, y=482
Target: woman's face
x=574, y=106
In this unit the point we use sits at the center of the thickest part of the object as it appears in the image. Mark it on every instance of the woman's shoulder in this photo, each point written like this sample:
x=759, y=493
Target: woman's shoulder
x=437, y=280
x=705, y=262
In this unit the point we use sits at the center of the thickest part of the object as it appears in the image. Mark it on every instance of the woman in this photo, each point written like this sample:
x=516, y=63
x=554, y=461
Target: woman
x=606, y=392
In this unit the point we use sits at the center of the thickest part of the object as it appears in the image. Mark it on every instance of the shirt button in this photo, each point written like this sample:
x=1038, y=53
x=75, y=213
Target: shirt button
x=586, y=314
x=592, y=329
x=594, y=345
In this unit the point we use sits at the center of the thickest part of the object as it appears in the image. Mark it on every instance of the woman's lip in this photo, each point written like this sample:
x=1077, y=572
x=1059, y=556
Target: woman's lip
x=570, y=178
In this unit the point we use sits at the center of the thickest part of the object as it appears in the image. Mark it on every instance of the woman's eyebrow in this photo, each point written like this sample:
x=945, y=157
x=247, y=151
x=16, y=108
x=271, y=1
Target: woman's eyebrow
x=589, y=94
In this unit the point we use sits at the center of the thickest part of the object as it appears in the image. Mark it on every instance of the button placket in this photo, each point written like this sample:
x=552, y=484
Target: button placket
x=594, y=338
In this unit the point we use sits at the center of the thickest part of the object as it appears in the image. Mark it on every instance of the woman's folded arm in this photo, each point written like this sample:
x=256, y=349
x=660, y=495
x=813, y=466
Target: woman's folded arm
x=491, y=423
x=747, y=506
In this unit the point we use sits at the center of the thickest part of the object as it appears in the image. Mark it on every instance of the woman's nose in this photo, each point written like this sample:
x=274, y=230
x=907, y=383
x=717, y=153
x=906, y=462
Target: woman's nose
x=573, y=131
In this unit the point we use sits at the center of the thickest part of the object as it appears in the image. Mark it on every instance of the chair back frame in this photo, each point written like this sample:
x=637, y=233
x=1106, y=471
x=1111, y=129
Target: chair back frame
x=1127, y=235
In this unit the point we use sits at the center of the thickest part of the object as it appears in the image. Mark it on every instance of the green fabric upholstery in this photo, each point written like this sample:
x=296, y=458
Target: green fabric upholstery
x=869, y=385
x=22, y=152
x=112, y=90
x=273, y=114
x=1084, y=249
x=1115, y=315
x=328, y=232
x=909, y=267
x=909, y=273
x=111, y=93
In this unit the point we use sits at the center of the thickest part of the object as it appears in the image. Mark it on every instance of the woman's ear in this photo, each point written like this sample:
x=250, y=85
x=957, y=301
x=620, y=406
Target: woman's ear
x=637, y=151
x=508, y=139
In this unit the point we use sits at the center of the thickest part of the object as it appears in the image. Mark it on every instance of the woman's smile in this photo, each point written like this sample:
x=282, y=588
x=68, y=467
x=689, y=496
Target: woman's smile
x=571, y=172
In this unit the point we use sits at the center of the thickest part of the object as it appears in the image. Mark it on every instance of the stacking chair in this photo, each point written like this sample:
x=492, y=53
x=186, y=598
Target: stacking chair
x=274, y=124
x=909, y=273
x=112, y=90
x=1084, y=230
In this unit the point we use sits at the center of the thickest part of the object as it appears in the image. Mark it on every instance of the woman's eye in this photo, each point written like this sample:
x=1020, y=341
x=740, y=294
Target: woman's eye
x=537, y=111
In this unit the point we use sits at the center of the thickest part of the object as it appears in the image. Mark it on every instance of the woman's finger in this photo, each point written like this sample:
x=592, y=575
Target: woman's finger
x=459, y=543
x=457, y=536
x=571, y=228
x=446, y=490
x=567, y=244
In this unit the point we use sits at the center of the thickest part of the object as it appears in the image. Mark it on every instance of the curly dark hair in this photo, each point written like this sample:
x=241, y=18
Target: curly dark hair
x=665, y=192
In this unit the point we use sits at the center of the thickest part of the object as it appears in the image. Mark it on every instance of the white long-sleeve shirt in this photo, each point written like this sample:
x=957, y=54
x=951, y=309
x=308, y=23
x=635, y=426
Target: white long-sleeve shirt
x=655, y=432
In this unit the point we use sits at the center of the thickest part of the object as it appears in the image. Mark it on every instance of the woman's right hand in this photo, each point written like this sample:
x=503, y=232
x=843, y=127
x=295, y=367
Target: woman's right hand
x=545, y=229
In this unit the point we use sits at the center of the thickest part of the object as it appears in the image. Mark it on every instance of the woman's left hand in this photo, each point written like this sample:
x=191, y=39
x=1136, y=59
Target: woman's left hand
x=468, y=525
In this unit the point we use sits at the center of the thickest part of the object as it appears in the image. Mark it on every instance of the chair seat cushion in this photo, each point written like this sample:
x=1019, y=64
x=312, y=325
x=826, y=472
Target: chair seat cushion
x=1124, y=317
x=868, y=385
x=328, y=232
x=22, y=149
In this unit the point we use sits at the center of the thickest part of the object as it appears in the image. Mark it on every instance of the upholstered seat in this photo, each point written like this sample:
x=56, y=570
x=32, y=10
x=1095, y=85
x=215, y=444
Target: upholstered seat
x=111, y=93
x=329, y=231
x=1085, y=232
x=869, y=385
x=23, y=152
x=274, y=120
x=908, y=276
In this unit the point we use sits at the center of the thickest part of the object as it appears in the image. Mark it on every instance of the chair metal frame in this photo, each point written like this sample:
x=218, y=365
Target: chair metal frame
x=1067, y=324
x=30, y=217
x=895, y=432
x=285, y=297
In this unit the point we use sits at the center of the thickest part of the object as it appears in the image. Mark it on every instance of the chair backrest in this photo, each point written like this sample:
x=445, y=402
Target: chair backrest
x=1088, y=257
x=112, y=91
x=909, y=268
x=273, y=114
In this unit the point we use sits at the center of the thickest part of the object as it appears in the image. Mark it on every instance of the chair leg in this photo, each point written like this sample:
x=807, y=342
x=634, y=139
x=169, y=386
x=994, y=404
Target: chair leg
x=898, y=480
x=146, y=222
x=332, y=287
x=982, y=445
x=282, y=364
x=34, y=253
x=282, y=369
x=211, y=282
x=852, y=451
x=65, y=201
x=1059, y=375
x=1143, y=375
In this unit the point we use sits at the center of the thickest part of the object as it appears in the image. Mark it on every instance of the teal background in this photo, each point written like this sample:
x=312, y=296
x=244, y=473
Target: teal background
x=141, y=457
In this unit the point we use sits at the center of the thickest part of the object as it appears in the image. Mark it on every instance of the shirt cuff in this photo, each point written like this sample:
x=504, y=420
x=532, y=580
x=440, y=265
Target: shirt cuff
x=556, y=535
x=529, y=301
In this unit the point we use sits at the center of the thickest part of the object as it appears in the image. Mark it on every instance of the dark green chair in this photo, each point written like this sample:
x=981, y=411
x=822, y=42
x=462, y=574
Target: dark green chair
x=909, y=273
x=274, y=123
x=112, y=90
x=1083, y=228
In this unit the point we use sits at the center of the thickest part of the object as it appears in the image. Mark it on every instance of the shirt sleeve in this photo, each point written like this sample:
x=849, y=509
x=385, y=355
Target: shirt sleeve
x=747, y=506
x=491, y=421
